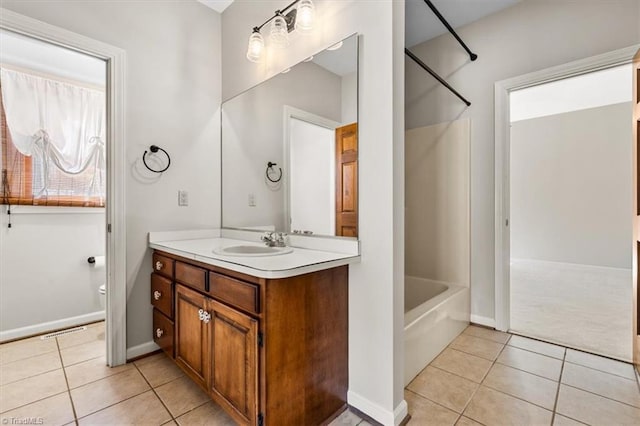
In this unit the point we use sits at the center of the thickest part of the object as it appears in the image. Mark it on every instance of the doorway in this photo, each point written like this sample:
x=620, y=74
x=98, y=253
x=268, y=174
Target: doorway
x=113, y=225
x=563, y=203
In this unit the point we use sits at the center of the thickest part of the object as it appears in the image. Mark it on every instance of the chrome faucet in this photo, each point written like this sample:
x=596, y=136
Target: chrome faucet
x=274, y=239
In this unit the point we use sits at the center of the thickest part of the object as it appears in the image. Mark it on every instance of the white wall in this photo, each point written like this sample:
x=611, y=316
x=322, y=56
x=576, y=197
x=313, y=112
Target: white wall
x=571, y=187
x=44, y=274
x=252, y=127
x=532, y=35
x=350, y=98
x=172, y=100
x=376, y=284
x=437, y=243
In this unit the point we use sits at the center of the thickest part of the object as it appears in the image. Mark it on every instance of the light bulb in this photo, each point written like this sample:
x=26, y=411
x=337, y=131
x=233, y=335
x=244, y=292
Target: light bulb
x=256, y=46
x=279, y=34
x=304, y=16
x=336, y=46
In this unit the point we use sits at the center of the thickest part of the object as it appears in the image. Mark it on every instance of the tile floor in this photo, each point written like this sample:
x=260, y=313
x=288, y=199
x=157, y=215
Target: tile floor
x=486, y=377
x=483, y=377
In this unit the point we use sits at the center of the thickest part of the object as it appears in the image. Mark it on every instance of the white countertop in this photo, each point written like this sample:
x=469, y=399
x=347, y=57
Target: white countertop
x=300, y=261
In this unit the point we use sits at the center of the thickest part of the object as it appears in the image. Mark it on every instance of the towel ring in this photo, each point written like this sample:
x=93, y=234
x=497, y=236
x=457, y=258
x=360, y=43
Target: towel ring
x=270, y=167
x=154, y=149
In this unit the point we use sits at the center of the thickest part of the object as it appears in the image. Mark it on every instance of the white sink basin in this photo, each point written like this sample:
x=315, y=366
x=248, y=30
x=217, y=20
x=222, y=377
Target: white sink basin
x=252, y=251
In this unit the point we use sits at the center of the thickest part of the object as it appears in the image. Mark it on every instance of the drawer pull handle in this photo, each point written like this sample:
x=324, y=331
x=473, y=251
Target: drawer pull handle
x=159, y=332
x=159, y=265
x=157, y=295
x=204, y=316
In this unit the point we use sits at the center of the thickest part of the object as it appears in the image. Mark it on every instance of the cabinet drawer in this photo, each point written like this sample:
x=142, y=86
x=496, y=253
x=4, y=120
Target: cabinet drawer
x=163, y=332
x=162, y=294
x=235, y=292
x=191, y=276
x=163, y=265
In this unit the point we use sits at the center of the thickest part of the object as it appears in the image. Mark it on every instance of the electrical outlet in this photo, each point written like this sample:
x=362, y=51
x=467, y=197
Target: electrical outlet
x=252, y=200
x=183, y=198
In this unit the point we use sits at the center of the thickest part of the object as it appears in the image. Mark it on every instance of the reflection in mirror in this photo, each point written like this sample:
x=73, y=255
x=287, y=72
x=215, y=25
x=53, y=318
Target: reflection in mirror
x=305, y=121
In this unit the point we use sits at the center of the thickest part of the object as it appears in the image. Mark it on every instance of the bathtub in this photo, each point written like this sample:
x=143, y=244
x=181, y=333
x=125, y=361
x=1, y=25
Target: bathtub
x=435, y=313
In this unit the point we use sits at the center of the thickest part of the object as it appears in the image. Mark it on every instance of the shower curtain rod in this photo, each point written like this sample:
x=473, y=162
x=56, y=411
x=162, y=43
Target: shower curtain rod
x=472, y=55
x=436, y=76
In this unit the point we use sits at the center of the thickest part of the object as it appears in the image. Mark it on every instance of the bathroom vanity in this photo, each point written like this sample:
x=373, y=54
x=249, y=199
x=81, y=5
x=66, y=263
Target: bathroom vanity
x=270, y=347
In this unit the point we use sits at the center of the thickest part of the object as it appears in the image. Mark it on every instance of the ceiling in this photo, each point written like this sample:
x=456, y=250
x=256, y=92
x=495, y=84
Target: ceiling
x=342, y=61
x=217, y=5
x=421, y=24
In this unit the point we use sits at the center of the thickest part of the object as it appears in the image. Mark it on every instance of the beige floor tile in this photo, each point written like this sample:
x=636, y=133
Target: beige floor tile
x=463, y=364
x=601, y=363
x=144, y=409
x=29, y=367
x=93, y=333
x=170, y=423
x=559, y=420
x=27, y=348
x=487, y=333
x=209, y=414
x=100, y=394
x=150, y=358
x=347, y=418
x=537, y=346
x=162, y=370
x=476, y=346
x=89, y=371
x=446, y=389
x=55, y=410
x=83, y=352
x=604, y=384
x=530, y=362
x=466, y=421
x=595, y=410
x=523, y=385
x=426, y=413
x=491, y=407
x=181, y=395
x=26, y=391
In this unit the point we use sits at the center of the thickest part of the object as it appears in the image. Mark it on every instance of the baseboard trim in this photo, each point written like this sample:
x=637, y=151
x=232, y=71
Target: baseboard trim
x=143, y=349
x=486, y=321
x=45, y=327
x=376, y=412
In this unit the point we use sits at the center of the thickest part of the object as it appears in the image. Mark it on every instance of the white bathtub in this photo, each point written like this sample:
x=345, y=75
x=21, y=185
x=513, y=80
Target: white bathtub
x=435, y=313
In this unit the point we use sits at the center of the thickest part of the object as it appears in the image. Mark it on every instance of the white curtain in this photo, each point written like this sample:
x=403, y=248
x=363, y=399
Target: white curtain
x=61, y=124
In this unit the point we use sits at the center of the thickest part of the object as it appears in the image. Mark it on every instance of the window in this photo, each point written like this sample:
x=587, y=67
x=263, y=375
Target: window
x=52, y=132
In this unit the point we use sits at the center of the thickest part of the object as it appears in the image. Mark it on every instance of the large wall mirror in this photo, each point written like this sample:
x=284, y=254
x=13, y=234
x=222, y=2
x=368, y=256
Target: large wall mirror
x=290, y=149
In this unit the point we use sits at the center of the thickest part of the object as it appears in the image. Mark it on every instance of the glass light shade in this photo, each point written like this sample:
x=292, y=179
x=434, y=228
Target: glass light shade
x=256, y=47
x=304, y=16
x=279, y=35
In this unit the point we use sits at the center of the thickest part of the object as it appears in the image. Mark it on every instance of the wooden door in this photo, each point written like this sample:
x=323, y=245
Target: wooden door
x=234, y=361
x=191, y=333
x=347, y=180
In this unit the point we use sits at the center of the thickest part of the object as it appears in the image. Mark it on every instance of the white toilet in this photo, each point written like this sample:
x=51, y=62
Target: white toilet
x=103, y=295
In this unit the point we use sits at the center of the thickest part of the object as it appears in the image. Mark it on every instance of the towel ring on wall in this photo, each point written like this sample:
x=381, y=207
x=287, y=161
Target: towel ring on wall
x=154, y=149
x=270, y=168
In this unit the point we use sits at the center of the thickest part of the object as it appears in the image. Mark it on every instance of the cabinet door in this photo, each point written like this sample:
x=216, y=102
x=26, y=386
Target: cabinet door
x=191, y=334
x=234, y=360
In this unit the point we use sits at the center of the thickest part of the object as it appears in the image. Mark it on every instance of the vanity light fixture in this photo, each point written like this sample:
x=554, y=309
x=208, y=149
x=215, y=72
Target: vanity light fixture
x=286, y=71
x=309, y=59
x=282, y=23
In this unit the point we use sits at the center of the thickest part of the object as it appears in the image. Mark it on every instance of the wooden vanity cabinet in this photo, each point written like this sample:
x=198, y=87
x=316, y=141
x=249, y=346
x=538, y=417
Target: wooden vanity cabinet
x=268, y=351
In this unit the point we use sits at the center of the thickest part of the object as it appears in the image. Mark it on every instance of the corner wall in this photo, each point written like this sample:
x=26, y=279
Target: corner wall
x=172, y=78
x=376, y=285
x=530, y=36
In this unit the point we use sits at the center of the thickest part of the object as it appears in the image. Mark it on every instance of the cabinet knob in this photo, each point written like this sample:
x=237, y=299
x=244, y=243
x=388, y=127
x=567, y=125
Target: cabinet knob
x=159, y=265
x=204, y=316
x=157, y=295
x=159, y=332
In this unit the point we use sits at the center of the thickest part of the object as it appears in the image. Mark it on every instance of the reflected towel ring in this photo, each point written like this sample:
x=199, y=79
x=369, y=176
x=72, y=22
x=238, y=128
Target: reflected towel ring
x=154, y=149
x=270, y=167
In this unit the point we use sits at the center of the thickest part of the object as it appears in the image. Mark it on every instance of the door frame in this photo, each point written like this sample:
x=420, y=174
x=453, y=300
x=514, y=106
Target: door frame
x=290, y=112
x=116, y=310
x=502, y=90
